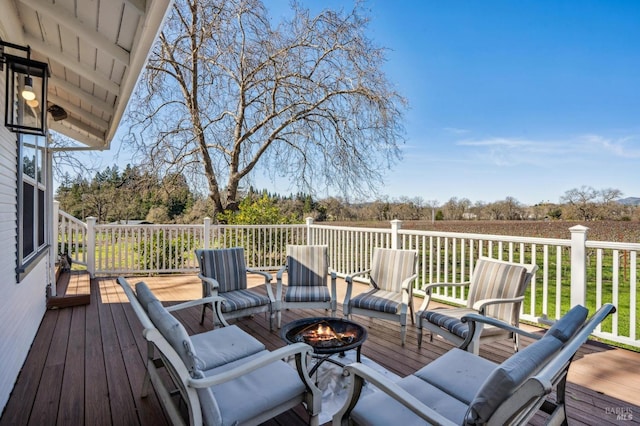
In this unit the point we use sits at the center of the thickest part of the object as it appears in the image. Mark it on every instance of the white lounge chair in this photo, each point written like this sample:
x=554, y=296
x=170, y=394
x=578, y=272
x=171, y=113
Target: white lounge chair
x=390, y=277
x=224, y=376
x=461, y=388
x=496, y=290
x=224, y=273
x=307, y=268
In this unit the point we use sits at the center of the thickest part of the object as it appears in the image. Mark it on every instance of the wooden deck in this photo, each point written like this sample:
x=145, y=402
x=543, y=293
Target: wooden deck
x=86, y=365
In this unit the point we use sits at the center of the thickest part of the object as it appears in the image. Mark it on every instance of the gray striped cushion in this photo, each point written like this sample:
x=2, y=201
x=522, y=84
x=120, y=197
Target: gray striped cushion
x=390, y=267
x=378, y=300
x=496, y=280
x=227, y=266
x=243, y=299
x=454, y=325
x=307, y=294
x=307, y=265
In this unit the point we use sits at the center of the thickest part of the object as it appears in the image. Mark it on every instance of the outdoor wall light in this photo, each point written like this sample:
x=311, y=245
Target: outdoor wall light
x=27, y=78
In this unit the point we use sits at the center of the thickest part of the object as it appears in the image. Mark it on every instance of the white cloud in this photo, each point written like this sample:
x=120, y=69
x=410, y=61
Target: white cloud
x=625, y=147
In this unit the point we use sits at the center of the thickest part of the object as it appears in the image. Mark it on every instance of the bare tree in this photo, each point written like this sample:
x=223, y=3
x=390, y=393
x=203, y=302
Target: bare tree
x=582, y=200
x=306, y=100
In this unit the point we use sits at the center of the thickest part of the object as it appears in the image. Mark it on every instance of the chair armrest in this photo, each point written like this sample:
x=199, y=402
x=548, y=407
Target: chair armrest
x=279, y=282
x=213, y=283
x=361, y=374
x=406, y=282
x=474, y=319
x=191, y=303
x=349, y=281
x=429, y=287
x=407, y=292
x=268, y=358
x=216, y=303
x=267, y=282
x=281, y=271
x=267, y=276
x=350, y=277
x=334, y=277
x=427, y=290
x=481, y=304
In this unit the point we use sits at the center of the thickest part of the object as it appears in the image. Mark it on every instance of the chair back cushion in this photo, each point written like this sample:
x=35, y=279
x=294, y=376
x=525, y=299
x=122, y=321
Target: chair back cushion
x=566, y=327
x=145, y=295
x=175, y=334
x=508, y=377
x=389, y=268
x=227, y=266
x=307, y=266
x=494, y=279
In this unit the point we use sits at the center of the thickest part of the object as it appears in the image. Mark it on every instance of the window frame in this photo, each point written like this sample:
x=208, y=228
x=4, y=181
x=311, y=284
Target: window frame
x=38, y=230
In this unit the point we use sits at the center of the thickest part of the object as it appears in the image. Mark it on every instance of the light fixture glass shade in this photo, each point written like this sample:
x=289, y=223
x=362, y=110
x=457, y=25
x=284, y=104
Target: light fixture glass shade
x=27, y=90
x=25, y=95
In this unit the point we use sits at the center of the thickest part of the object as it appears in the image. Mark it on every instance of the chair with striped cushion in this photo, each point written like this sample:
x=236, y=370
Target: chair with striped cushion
x=223, y=273
x=308, y=271
x=390, y=278
x=496, y=289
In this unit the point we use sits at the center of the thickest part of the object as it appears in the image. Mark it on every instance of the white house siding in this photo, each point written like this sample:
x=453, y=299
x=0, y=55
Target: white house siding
x=22, y=305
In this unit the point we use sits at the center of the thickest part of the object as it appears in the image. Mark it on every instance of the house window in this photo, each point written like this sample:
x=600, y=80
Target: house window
x=31, y=201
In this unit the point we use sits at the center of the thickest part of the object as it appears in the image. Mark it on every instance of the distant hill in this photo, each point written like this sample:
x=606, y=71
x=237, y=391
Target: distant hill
x=630, y=201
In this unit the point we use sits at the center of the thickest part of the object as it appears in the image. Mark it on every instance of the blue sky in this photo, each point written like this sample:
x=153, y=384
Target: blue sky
x=512, y=98
x=509, y=98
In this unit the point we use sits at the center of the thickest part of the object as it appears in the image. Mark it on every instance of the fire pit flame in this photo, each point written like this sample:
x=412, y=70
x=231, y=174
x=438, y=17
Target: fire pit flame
x=323, y=335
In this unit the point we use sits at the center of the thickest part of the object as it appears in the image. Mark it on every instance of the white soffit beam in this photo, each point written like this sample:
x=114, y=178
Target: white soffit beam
x=86, y=33
x=79, y=93
x=72, y=63
x=92, y=131
x=76, y=110
x=139, y=5
x=89, y=140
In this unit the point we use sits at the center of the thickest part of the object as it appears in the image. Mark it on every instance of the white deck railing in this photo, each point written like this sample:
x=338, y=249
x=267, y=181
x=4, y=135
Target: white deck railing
x=571, y=271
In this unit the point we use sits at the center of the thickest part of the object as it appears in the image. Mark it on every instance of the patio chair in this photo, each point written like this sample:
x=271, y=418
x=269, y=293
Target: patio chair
x=307, y=270
x=223, y=273
x=219, y=377
x=461, y=388
x=391, y=276
x=496, y=290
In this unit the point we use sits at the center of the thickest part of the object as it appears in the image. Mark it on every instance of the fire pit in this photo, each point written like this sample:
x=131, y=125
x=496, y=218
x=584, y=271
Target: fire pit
x=327, y=336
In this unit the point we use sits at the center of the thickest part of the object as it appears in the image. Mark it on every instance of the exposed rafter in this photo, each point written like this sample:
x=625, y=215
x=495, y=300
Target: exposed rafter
x=66, y=18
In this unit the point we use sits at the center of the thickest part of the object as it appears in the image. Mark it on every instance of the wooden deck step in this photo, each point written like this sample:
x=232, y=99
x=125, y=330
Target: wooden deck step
x=73, y=289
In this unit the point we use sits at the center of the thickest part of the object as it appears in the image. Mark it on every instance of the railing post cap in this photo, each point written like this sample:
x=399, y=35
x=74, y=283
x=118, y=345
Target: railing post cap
x=578, y=228
x=309, y=220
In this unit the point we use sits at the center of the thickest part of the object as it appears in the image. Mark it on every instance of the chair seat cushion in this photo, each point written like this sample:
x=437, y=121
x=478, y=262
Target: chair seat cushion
x=243, y=299
x=378, y=300
x=224, y=345
x=458, y=373
x=307, y=294
x=252, y=394
x=449, y=319
x=449, y=323
x=378, y=408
